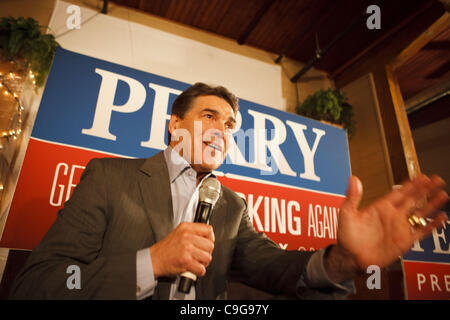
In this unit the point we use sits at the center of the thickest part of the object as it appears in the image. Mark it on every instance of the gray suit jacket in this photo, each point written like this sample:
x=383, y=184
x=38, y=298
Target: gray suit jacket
x=123, y=205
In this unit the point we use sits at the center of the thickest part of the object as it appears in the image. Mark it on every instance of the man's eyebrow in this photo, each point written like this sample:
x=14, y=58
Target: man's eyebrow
x=231, y=119
x=210, y=110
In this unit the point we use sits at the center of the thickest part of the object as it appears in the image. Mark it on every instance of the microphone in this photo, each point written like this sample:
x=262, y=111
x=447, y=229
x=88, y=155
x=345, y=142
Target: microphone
x=208, y=195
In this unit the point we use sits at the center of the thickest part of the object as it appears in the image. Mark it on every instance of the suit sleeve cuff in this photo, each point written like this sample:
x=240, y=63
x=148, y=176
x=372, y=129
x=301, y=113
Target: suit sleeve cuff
x=316, y=276
x=145, y=279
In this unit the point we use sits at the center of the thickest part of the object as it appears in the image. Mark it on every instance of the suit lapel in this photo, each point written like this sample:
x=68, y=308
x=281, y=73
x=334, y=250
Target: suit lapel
x=156, y=195
x=157, y=198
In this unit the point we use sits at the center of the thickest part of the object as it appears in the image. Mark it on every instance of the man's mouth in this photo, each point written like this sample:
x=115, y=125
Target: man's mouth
x=214, y=146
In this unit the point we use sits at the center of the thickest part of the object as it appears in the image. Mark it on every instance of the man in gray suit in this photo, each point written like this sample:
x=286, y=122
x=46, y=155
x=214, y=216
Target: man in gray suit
x=128, y=229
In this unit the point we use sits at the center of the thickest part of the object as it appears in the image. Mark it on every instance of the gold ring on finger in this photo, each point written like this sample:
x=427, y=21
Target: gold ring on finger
x=416, y=221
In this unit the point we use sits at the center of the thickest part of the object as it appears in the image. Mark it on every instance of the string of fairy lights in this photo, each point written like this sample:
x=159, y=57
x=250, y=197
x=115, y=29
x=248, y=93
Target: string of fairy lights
x=16, y=128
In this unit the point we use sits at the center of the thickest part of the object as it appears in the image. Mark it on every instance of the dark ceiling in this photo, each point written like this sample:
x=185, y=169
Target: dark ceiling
x=428, y=68
x=291, y=28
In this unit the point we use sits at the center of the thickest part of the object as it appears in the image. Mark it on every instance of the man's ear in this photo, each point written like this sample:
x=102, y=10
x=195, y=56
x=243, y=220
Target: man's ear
x=173, y=123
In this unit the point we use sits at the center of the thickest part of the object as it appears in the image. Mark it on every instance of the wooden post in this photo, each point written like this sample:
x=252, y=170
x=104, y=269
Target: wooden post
x=399, y=140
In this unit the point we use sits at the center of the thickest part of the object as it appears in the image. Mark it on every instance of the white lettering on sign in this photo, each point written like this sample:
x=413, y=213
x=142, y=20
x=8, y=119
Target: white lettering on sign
x=159, y=117
x=440, y=241
x=277, y=214
x=307, y=152
x=272, y=145
x=257, y=155
x=105, y=102
x=261, y=142
x=57, y=192
x=439, y=235
x=433, y=282
x=322, y=221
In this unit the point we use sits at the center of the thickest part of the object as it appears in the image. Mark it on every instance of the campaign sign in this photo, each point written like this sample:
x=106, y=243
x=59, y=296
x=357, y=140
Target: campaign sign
x=292, y=171
x=427, y=266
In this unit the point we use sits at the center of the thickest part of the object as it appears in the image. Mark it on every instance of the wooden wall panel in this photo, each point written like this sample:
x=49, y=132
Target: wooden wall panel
x=371, y=162
x=368, y=152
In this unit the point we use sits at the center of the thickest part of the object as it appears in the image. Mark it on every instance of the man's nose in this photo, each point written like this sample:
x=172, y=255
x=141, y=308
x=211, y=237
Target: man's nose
x=219, y=129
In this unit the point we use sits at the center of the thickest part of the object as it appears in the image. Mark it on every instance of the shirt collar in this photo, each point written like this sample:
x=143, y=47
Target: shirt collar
x=176, y=164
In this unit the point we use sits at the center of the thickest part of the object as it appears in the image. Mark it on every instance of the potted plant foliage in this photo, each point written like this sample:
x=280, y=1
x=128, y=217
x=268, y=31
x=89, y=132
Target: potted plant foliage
x=22, y=41
x=331, y=106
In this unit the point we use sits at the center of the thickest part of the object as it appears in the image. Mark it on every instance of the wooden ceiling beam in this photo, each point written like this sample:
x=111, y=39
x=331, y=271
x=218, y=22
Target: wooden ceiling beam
x=432, y=32
x=427, y=94
x=252, y=25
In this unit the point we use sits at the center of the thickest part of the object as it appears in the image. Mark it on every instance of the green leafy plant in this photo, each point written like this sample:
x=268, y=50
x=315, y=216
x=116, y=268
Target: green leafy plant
x=329, y=105
x=21, y=39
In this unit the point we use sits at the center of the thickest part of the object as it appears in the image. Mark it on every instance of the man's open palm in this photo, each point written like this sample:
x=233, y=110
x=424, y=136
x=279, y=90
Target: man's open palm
x=379, y=233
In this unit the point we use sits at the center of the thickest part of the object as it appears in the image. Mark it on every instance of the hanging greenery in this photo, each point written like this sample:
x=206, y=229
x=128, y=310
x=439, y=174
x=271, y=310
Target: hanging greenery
x=21, y=40
x=329, y=105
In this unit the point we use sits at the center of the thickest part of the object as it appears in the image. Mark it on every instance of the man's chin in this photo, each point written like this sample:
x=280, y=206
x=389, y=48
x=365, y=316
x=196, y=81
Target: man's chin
x=206, y=167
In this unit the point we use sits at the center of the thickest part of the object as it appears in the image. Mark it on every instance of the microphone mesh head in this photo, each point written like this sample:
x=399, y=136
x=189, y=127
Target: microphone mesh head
x=209, y=190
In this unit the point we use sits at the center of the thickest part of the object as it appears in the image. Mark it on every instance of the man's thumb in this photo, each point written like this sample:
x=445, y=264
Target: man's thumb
x=354, y=192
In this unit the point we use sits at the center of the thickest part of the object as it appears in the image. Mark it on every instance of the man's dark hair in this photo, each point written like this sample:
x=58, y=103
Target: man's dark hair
x=183, y=102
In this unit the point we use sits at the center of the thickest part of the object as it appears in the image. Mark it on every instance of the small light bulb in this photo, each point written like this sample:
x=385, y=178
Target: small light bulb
x=1, y=84
x=15, y=95
x=6, y=93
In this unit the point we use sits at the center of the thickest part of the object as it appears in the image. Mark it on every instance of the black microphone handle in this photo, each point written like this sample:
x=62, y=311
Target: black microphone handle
x=203, y=212
x=202, y=215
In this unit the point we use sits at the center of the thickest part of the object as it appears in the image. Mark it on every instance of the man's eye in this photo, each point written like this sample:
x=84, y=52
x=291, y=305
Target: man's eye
x=209, y=116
